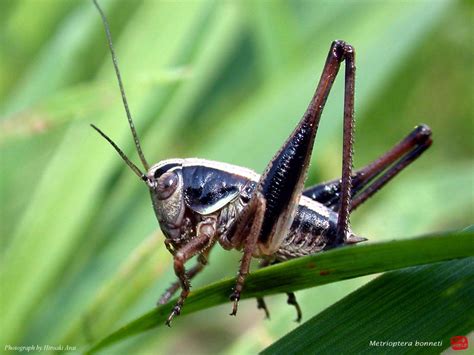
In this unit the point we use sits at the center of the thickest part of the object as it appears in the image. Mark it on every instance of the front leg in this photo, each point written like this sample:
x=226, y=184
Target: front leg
x=196, y=269
x=206, y=232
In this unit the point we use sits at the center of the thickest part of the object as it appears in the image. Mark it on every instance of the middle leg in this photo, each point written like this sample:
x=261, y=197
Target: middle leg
x=249, y=243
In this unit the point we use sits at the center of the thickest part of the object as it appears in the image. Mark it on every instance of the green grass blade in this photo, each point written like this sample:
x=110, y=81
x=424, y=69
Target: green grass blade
x=399, y=306
x=312, y=271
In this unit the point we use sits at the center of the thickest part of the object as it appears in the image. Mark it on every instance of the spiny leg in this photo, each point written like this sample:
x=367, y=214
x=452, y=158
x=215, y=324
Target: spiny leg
x=205, y=233
x=249, y=244
x=283, y=180
x=368, y=180
x=196, y=269
x=347, y=149
x=422, y=136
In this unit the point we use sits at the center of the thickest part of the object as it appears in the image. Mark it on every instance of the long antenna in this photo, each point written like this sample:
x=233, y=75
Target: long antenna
x=132, y=166
x=122, y=91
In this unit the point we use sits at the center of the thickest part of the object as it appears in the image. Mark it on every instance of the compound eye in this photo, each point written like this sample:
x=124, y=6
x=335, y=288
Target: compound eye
x=166, y=185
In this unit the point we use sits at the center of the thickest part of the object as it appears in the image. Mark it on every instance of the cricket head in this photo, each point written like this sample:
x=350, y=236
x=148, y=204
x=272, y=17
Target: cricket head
x=165, y=182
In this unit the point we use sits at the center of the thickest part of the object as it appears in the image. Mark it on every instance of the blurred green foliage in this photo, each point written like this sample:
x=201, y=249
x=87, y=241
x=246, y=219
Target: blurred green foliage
x=223, y=80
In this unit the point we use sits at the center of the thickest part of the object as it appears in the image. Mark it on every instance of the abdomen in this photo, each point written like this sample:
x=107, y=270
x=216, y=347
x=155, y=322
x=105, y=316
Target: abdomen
x=313, y=229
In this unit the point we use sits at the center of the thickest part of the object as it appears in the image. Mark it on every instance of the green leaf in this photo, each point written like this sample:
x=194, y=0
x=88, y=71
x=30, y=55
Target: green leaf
x=319, y=269
x=400, y=306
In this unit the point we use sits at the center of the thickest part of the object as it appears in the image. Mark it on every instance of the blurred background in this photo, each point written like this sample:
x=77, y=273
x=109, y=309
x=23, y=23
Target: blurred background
x=81, y=253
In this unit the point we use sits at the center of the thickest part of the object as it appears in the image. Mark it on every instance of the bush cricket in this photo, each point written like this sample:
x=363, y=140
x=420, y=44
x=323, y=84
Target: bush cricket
x=272, y=216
